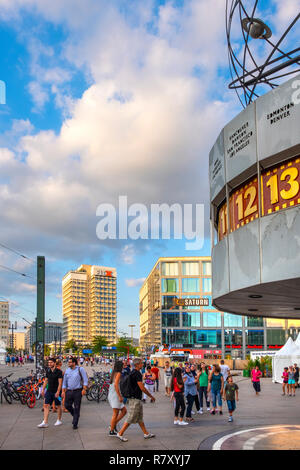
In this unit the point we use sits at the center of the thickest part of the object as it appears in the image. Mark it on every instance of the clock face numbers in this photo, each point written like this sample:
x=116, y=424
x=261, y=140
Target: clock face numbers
x=280, y=189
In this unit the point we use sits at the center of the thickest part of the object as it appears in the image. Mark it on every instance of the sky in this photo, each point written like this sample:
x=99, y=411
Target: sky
x=105, y=99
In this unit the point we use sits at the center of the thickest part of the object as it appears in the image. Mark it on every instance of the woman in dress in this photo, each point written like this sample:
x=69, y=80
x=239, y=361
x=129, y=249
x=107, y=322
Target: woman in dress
x=115, y=398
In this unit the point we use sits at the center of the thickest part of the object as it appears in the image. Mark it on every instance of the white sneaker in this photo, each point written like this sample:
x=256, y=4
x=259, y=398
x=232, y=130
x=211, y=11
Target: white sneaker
x=123, y=439
x=193, y=412
x=58, y=423
x=208, y=409
x=176, y=422
x=149, y=436
x=200, y=412
x=43, y=425
x=182, y=423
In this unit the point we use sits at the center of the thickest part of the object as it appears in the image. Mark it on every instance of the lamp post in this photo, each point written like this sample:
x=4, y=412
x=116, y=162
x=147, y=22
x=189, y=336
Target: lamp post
x=131, y=326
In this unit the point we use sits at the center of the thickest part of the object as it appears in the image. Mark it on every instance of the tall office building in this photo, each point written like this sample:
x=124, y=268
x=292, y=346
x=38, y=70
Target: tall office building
x=89, y=296
x=196, y=323
x=4, y=322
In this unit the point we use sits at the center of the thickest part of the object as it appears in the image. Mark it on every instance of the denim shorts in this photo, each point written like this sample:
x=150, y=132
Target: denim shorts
x=231, y=405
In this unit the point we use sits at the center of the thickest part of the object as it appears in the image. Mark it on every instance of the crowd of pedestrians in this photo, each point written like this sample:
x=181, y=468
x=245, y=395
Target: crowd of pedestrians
x=18, y=359
x=133, y=382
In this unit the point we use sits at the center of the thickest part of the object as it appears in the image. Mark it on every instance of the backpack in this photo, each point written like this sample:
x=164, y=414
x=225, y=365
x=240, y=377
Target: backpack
x=125, y=386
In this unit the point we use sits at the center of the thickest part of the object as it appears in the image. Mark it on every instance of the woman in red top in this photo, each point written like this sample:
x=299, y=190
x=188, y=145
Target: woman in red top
x=255, y=376
x=285, y=377
x=177, y=387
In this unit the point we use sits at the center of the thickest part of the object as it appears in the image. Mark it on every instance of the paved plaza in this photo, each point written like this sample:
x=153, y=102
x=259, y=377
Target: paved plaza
x=269, y=421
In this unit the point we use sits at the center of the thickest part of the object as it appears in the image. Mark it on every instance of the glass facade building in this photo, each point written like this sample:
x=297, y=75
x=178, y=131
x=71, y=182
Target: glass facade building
x=163, y=321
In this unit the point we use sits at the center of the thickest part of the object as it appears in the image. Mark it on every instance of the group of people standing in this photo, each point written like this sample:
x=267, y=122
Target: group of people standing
x=290, y=378
x=190, y=386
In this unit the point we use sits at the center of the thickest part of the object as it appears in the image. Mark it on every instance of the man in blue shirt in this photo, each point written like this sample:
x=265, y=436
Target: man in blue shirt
x=74, y=387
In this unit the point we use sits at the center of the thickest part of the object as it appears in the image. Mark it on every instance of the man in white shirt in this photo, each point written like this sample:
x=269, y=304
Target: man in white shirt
x=225, y=370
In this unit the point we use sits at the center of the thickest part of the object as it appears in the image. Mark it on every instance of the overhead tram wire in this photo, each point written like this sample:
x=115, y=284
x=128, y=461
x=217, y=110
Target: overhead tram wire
x=17, y=253
x=17, y=272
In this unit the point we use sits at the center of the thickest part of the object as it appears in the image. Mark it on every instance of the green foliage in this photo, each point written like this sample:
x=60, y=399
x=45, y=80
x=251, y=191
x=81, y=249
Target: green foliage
x=264, y=364
x=123, y=344
x=10, y=350
x=71, y=344
x=97, y=343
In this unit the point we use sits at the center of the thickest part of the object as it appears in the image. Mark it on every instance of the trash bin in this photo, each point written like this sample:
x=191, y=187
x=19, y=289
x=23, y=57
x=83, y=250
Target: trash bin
x=246, y=373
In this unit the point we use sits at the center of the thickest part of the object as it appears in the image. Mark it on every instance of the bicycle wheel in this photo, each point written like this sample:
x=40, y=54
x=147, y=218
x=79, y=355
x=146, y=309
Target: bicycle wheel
x=31, y=400
x=94, y=391
x=103, y=394
x=89, y=396
x=23, y=397
x=7, y=396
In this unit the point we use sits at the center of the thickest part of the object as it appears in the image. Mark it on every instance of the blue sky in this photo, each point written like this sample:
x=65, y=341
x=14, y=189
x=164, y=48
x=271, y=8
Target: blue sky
x=104, y=100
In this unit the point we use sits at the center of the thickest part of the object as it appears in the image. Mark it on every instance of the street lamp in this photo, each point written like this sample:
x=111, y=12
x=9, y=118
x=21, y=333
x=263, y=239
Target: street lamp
x=131, y=326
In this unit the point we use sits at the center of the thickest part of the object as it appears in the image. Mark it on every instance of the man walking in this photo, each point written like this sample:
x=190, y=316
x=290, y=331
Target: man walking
x=53, y=379
x=135, y=414
x=74, y=388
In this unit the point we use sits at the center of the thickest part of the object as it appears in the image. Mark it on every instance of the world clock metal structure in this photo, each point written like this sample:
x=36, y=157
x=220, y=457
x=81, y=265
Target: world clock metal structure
x=249, y=76
x=254, y=173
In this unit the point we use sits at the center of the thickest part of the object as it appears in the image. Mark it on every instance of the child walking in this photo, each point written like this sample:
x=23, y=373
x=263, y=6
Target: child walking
x=231, y=395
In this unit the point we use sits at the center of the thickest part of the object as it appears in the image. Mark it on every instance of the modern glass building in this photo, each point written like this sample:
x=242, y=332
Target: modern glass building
x=202, y=327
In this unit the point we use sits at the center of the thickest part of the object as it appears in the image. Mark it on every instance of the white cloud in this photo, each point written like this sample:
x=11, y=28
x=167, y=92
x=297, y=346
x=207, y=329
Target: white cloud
x=128, y=254
x=143, y=128
x=134, y=282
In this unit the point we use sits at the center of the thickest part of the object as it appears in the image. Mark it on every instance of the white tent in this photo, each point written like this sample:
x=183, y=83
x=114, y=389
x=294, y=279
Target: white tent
x=297, y=341
x=287, y=356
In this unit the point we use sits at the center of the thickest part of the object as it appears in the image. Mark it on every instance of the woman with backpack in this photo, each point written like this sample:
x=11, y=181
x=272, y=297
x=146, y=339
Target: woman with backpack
x=115, y=398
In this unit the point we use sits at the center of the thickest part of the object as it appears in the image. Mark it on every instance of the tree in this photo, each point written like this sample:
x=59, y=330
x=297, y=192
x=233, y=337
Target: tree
x=47, y=350
x=123, y=344
x=71, y=344
x=97, y=343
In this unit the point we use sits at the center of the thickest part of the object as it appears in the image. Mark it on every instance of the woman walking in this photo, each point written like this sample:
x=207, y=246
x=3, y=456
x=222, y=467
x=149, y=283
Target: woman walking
x=256, y=374
x=177, y=388
x=168, y=378
x=203, y=385
x=285, y=382
x=190, y=391
x=149, y=381
x=215, y=387
x=115, y=398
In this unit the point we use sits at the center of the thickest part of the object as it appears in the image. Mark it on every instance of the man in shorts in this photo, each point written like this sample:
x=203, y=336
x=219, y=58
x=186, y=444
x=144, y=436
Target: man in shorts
x=135, y=405
x=53, y=379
